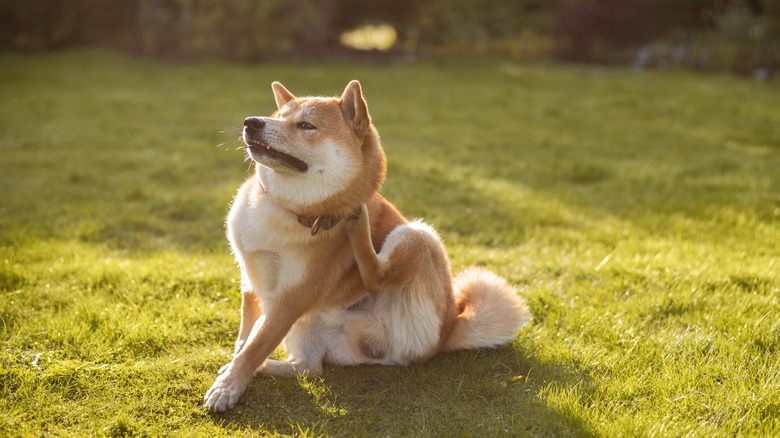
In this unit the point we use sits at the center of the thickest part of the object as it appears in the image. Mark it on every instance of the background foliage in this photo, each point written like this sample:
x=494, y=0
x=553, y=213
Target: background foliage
x=740, y=35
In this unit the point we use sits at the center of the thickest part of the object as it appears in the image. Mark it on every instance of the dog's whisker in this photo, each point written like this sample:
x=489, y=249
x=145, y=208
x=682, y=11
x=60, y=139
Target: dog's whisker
x=227, y=143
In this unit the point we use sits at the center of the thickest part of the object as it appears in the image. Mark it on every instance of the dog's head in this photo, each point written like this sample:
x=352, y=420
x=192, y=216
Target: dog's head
x=317, y=155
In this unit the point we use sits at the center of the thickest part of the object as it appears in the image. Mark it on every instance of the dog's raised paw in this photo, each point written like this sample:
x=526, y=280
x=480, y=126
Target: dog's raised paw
x=354, y=218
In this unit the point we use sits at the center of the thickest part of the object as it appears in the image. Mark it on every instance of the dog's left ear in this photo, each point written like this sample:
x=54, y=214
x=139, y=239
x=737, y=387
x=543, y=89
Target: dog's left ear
x=281, y=94
x=353, y=105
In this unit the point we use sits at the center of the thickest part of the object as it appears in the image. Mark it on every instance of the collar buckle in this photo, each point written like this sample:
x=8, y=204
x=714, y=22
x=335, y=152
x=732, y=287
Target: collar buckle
x=318, y=223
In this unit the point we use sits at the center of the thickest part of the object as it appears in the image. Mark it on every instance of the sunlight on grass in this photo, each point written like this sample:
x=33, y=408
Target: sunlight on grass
x=637, y=213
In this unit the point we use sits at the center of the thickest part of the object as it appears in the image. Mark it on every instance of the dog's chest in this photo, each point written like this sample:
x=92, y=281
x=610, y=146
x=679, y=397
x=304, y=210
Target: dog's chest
x=271, y=244
x=256, y=223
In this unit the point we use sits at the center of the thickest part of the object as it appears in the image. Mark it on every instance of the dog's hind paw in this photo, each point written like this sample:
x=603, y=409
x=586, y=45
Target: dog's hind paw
x=354, y=218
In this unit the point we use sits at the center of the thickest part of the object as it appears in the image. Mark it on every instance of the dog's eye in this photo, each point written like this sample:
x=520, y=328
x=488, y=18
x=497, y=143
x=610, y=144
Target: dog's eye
x=306, y=126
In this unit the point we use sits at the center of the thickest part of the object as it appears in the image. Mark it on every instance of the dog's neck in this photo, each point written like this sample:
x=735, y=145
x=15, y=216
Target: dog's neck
x=316, y=223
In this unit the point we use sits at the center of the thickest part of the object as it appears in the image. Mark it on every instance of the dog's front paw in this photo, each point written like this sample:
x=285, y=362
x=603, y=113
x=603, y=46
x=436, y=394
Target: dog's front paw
x=224, y=393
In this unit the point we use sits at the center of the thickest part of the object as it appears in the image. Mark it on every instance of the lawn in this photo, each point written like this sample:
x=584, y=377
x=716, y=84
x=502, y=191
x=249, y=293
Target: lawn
x=638, y=213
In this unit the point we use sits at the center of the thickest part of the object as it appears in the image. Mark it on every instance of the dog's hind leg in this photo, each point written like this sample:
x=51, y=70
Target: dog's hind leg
x=372, y=269
x=355, y=336
x=306, y=347
x=288, y=368
x=342, y=337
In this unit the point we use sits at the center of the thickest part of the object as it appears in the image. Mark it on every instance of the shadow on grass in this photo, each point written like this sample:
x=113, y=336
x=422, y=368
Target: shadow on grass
x=471, y=393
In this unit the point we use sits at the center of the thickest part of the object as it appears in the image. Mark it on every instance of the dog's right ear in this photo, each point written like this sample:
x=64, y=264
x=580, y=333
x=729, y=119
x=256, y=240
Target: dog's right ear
x=281, y=94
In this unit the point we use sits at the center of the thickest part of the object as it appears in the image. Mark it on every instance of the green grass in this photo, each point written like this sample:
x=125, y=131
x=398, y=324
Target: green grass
x=637, y=213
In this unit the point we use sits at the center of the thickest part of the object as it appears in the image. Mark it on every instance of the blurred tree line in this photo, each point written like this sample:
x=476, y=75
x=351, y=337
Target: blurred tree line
x=740, y=35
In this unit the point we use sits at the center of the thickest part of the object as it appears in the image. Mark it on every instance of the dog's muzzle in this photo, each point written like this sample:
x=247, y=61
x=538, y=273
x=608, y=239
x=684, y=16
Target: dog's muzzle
x=262, y=151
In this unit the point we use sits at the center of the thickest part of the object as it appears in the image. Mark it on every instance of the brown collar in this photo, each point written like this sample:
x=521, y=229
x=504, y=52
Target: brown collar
x=316, y=224
x=324, y=222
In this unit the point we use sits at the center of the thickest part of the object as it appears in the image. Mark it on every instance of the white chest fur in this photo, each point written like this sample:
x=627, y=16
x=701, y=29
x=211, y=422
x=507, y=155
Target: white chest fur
x=267, y=241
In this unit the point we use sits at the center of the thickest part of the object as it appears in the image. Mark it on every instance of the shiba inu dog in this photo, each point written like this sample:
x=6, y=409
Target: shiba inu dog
x=331, y=268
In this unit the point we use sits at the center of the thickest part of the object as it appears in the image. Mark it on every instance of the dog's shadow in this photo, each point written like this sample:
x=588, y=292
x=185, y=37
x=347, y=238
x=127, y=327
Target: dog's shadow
x=465, y=393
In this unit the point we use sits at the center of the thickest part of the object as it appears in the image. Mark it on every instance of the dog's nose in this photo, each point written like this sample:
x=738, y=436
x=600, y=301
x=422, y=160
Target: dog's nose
x=254, y=124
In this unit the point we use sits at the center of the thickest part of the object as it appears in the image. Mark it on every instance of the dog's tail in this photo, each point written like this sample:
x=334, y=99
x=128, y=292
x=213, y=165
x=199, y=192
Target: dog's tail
x=489, y=312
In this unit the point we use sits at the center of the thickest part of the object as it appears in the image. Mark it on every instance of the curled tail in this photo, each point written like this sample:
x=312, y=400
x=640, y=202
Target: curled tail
x=489, y=311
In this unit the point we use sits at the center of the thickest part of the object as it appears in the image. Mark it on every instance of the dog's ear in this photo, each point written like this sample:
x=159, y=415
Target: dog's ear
x=353, y=105
x=281, y=94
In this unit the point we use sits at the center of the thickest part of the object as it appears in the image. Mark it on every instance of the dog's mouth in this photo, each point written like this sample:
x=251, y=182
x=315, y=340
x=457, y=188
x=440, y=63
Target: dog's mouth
x=261, y=152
